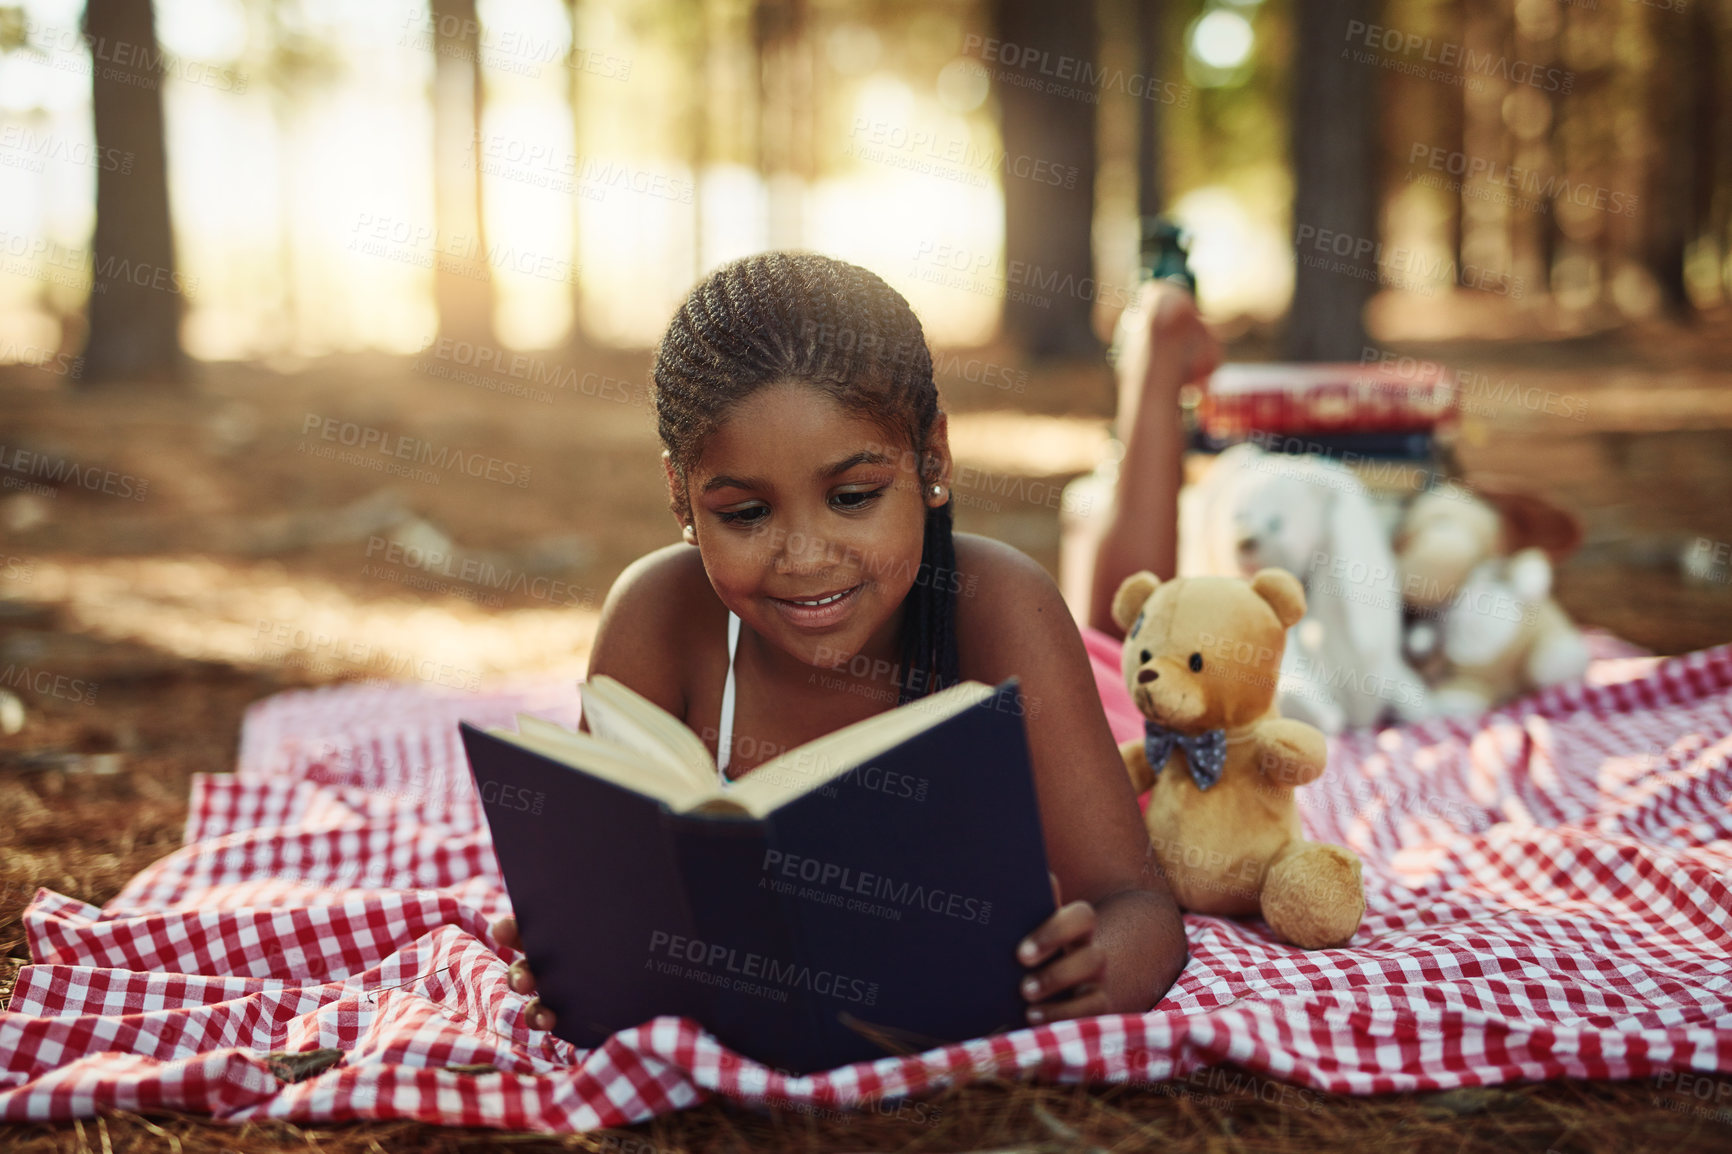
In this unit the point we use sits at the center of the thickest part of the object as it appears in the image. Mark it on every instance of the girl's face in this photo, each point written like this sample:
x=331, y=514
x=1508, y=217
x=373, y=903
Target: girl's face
x=810, y=521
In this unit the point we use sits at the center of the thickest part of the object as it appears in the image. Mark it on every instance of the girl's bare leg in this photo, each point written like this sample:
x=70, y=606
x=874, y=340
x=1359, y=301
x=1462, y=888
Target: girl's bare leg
x=1166, y=347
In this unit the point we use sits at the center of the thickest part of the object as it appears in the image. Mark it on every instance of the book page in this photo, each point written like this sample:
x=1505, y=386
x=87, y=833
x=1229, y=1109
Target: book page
x=621, y=716
x=805, y=767
x=587, y=754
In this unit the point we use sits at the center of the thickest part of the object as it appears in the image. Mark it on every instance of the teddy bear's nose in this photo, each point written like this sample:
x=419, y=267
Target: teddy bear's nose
x=1146, y=675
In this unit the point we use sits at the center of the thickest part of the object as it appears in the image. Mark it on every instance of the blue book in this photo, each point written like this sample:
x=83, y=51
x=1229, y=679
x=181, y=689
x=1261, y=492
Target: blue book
x=859, y=896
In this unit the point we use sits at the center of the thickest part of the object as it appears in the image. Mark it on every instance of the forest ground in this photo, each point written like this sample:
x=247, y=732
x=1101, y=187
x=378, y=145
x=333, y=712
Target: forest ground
x=180, y=599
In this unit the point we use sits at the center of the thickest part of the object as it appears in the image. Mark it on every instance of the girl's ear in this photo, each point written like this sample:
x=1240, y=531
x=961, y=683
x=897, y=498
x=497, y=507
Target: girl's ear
x=938, y=449
x=673, y=483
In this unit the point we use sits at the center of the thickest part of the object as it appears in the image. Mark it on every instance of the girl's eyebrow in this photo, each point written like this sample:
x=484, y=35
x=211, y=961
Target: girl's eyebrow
x=863, y=457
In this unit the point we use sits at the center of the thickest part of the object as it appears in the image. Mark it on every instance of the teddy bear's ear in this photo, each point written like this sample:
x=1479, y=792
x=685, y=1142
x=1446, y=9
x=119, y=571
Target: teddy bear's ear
x=1133, y=593
x=1283, y=593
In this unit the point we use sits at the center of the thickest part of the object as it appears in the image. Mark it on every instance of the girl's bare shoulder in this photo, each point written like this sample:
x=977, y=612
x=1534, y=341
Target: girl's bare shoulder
x=660, y=621
x=1008, y=608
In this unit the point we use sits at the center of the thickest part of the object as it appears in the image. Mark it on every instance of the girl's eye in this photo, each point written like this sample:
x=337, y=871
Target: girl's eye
x=747, y=516
x=860, y=498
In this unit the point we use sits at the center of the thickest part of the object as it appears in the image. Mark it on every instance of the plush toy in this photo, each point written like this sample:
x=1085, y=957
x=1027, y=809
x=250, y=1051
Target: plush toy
x=1476, y=577
x=1201, y=657
x=1502, y=635
x=1449, y=530
x=1343, y=665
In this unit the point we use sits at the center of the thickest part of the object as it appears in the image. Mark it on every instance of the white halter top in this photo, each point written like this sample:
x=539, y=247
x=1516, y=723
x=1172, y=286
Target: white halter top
x=725, y=735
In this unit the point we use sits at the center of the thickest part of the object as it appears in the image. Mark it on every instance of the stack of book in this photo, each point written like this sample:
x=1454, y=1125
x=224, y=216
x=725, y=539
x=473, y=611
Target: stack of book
x=1346, y=411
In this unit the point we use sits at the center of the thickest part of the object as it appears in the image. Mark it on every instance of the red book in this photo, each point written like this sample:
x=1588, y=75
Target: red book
x=1324, y=398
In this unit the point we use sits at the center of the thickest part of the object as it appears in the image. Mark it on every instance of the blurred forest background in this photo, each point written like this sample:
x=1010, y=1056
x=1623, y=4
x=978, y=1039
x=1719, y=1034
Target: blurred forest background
x=247, y=247
x=322, y=177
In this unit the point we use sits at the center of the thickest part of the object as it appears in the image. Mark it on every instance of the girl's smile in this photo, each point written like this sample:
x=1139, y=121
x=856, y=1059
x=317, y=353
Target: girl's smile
x=811, y=521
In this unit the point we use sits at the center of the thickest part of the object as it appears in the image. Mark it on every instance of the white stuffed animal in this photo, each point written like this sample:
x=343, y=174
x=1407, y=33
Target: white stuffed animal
x=1312, y=517
x=1502, y=635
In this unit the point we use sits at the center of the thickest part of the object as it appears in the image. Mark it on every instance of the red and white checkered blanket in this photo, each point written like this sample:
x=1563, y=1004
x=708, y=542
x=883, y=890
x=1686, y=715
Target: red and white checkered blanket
x=1548, y=895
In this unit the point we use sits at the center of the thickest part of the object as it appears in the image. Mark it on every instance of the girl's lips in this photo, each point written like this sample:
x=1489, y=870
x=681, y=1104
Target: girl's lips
x=818, y=616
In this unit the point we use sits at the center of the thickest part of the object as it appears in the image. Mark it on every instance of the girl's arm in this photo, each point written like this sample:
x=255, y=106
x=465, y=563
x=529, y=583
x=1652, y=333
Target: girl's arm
x=1119, y=938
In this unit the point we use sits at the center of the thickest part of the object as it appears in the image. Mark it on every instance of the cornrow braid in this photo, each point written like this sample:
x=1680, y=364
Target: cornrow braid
x=842, y=330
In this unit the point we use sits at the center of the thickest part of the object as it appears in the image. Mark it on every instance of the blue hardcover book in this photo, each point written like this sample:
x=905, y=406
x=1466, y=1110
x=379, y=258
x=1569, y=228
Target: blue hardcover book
x=859, y=896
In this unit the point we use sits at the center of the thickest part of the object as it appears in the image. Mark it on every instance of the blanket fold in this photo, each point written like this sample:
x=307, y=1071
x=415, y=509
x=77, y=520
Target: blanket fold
x=1549, y=894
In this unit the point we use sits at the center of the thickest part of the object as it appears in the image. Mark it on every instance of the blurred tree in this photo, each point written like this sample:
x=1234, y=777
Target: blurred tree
x=1334, y=182
x=463, y=272
x=1150, y=185
x=1683, y=103
x=135, y=298
x=1048, y=228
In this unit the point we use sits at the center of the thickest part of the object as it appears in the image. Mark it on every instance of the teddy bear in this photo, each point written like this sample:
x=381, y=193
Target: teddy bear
x=1201, y=658
x=1476, y=578
x=1501, y=635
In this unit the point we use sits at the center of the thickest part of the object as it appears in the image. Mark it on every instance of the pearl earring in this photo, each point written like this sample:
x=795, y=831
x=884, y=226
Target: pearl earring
x=690, y=534
x=937, y=493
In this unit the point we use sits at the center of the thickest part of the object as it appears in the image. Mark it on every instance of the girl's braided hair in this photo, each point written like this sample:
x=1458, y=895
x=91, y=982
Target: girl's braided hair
x=840, y=329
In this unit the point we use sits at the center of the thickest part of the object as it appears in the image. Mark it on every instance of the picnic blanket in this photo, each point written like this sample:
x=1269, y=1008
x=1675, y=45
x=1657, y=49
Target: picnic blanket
x=1547, y=895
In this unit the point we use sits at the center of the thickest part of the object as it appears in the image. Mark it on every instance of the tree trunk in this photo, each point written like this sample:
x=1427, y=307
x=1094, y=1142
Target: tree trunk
x=135, y=292
x=1048, y=228
x=462, y=270
x=1151, y=191
x=1680, y=110
x=1335, y=182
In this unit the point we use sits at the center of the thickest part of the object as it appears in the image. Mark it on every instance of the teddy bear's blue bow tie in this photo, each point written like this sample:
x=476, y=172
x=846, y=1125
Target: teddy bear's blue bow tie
x=1205, y=753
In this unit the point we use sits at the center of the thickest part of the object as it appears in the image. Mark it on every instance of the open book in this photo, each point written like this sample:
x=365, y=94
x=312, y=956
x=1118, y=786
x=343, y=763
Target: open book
x=861, y=894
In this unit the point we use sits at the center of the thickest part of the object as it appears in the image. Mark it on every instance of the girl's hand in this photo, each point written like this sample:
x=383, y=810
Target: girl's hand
x=535, y=1015
x=1065, y=963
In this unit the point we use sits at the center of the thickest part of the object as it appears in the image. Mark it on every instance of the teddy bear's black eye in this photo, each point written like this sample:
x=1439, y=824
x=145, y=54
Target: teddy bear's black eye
x=1196, y=663
x=1143, y=658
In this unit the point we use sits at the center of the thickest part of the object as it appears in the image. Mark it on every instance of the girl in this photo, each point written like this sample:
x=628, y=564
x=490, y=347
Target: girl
x=820, y=583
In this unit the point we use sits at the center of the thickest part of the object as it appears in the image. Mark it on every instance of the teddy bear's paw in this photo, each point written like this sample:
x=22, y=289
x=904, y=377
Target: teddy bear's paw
x=1313, y=896
x=1290, y=753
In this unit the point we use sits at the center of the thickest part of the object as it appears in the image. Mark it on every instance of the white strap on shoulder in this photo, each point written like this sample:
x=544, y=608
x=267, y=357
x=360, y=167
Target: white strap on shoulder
x=725, y=737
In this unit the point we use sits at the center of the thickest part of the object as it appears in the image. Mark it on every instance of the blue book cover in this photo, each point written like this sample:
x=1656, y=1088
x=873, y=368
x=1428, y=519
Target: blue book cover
x=875, y=912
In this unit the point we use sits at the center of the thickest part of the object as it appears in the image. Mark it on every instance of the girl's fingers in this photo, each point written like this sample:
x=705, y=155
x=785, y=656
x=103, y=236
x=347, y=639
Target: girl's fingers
x=519, y=978
x=538, y=1017
x=1084, y=966
x=1072, y=923
x=504, y=933
x=1088, y=1003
